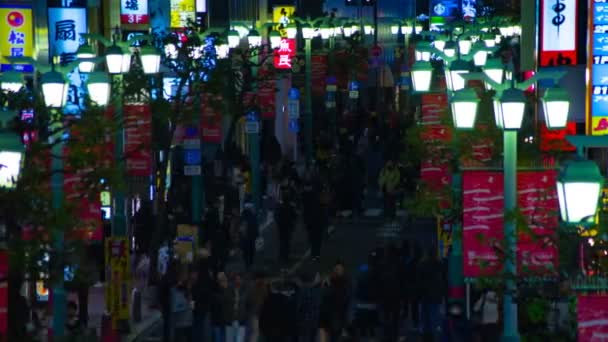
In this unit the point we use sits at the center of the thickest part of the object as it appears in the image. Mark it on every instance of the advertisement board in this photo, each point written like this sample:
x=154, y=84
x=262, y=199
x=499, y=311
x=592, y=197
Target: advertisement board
x=138, y=139
x=118, y=278
x=597, y=88
x=558, y=39
x=182, y=12
x=281, y=15
x=17, y=30
x=134, y=12
x=442, y=11
x=284, y=54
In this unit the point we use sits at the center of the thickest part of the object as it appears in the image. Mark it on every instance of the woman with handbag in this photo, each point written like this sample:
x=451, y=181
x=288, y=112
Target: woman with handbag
x=487, y=316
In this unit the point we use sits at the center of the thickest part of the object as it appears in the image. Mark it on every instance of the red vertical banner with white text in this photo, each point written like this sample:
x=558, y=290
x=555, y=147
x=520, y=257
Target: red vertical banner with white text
x=267, y=91
x=318, y=70
x=435, y=168
x=211, y=121
x=138, y=139
x=537, y=252
x=558, y=36
x=592, y=318
x=482, y=217
x=483, y=222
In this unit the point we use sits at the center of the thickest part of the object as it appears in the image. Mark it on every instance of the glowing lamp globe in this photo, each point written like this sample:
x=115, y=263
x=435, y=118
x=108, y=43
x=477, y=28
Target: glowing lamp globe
x=117, y=61
x=233, y=39
x=453, y=75
x=464, y=104
x=275, y=39
x=11, y=153
x=422, y=73
x=307, y=31
x=511, y=105
x=150, y=60
x=579, y=185
x=494, y=69
x=54, y=89
x=98, y=86
x=556, y=106
x=85, y=55
x=292, y=30
x=11, y=81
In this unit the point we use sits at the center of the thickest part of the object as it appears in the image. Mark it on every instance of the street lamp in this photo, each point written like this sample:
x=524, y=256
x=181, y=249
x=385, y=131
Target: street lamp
x=555, y=107
x=275, y=39
x=117, y=61
x=422, y=73
x=494, y=69
x=85, y=54
x=233, y=39
x=11, y=81
x=454, y=80
x=254, y=39
x=98, y=87
x=464, y=46
x=480, y=53
x=449, y=49
x=54, y=89
x=579, y=185
x=150, y=59
x=511, y=104
x=11, y=153
x=423, y=51
x=292, y=30
x=464, y=105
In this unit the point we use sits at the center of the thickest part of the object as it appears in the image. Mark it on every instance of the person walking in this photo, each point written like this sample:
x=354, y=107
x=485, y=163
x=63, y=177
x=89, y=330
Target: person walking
x=308, y=302
x=218, y=309
x=182, y=310
x=335, y=304
x=259, y=293
x=234, y=303
x=487, y=309
x=389, y=184
x=202, y=292
x=391, y=293
x=367, y=292
x=431, y=280
x=250, y=231
x=314, y=214
x=285, y=219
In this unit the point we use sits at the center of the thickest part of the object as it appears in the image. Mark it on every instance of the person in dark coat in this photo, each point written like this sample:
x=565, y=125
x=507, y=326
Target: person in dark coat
x=430, y=276
x=202, y=292
x=315, y=215
x=457, y=327
x=285, y=219
x=217, y=309
x=390, y=298
x=251, y=233
x=335, y=303
x=308, y=305
x=277, y=317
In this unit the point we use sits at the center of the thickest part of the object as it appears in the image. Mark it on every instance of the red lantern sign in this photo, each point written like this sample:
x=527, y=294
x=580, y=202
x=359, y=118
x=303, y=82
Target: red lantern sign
x=284, y=53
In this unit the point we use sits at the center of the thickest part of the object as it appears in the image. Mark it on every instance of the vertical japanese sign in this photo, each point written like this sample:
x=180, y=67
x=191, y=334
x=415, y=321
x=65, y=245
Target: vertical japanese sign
x=118, y=275
x=558, y=33
x=17, y=36
x=138, y=138
x=88, y=211
x=281, y=15
x=435, y=170
x=267, y=92
x=211, y=122
x=182, y=12
x=318, y=74
x=597, y=89
x=134, y=12
x=592, y=318
x=284, y=53
x=66, y=26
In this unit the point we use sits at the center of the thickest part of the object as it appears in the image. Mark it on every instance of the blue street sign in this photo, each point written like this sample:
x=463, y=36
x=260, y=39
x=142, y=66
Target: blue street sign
x=252, y=117
x=192, y=157
x=294, y=94
x=294, y=126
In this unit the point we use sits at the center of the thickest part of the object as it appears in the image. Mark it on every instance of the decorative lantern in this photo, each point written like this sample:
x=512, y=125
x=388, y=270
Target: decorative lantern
x=150, y=60
x=556, y=107
x=54, y=89
x=422, y=73
x=98, y=86
x=511, y=105
x=464, y=105
x=579, y=185
x=85, y=54
x=454, y=80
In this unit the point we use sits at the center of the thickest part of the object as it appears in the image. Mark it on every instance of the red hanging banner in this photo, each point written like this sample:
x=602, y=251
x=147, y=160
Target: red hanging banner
x=318, y=74
x=592, y=318
x=211, y=122
x=138, y=139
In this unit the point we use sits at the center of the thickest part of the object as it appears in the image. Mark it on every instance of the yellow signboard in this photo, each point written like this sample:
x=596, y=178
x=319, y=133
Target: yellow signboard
x=118, y=278
x=17, y=34
x=282, y=16
x=599, y=125
x=182, y=12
